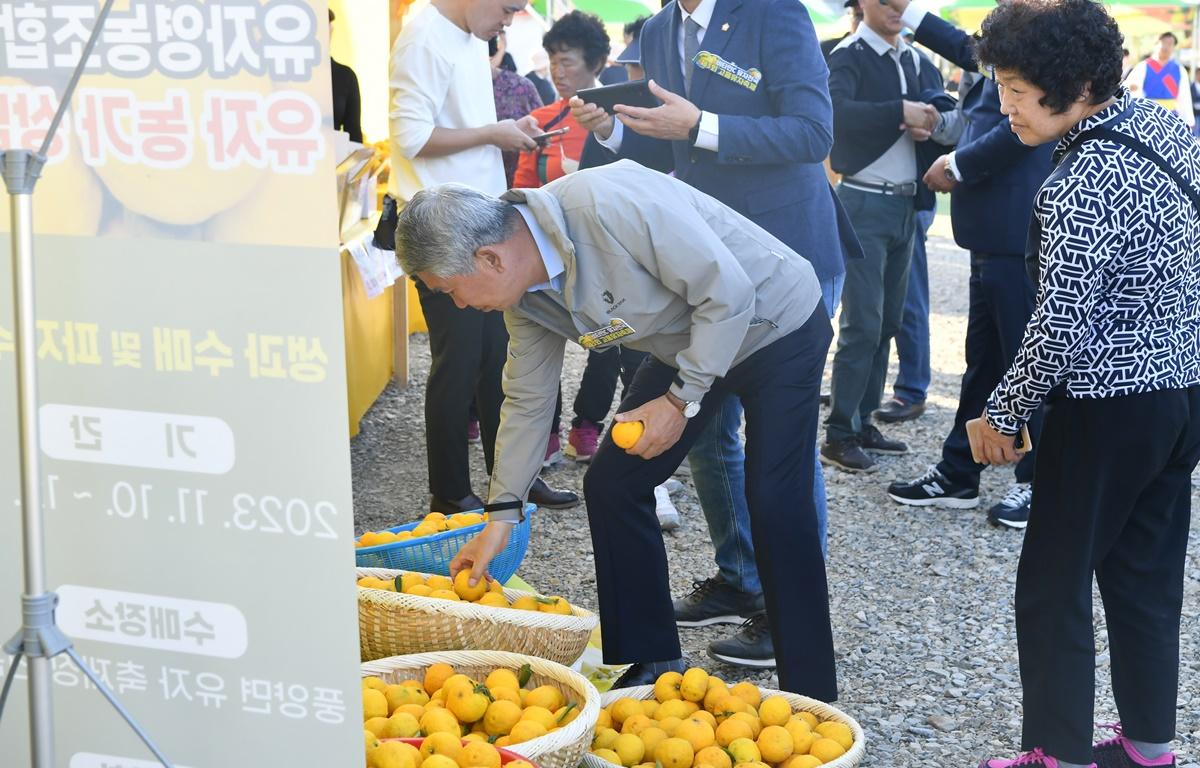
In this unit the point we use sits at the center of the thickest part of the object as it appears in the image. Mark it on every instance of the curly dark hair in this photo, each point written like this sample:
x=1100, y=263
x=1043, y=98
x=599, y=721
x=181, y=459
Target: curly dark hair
x=1061, y=46
x=583, y=31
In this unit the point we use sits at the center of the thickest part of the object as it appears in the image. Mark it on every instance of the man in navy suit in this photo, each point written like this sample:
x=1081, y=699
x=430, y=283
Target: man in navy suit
x=745, y=118
x=992, y=179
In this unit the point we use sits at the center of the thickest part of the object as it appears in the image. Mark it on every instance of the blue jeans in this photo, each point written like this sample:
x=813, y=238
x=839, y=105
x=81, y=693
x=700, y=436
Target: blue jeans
x=912, y=342
x=718, y=471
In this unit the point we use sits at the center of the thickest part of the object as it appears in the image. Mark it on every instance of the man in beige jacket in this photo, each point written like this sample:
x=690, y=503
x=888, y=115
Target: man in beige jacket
x=625, y=255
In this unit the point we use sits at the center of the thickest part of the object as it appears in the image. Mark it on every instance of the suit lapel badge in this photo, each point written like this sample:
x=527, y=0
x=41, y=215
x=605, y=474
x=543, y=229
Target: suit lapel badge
x=747, y=78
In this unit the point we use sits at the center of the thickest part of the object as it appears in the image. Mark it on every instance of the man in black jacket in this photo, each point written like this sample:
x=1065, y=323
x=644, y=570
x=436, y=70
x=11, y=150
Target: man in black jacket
x=992, y=178
x=884, y=137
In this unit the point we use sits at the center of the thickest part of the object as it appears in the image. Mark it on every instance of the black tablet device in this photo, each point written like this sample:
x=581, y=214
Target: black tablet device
x=634, y=93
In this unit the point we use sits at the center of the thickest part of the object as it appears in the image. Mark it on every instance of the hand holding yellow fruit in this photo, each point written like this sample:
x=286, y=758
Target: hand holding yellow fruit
x=626, y=433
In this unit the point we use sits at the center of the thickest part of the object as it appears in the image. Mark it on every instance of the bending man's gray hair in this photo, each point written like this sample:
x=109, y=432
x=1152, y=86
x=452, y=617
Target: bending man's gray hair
x=443, y=226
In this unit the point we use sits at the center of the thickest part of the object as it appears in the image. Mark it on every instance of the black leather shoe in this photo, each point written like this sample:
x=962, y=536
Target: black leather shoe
x=847, y=455
x=644, y=674
x=895, y=411
x=453, y=507
x=826, y=399
x=545, y=496
x=750, y=647
x=872, y=439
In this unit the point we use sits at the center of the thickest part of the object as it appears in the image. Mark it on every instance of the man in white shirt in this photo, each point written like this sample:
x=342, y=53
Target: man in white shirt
x=443, y=129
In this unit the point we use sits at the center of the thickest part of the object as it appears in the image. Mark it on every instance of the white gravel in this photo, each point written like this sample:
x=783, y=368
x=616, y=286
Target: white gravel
x=921, y=600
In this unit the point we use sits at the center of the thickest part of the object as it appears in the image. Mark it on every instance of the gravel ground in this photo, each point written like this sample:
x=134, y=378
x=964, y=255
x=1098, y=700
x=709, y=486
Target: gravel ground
x=921, y=601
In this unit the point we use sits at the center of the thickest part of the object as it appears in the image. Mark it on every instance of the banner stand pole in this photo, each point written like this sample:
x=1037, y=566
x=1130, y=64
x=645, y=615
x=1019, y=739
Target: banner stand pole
x=39, y=639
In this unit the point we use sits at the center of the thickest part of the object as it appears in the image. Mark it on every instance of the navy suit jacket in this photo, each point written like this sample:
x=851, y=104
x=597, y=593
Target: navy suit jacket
x=772, y=140
x=991, y=208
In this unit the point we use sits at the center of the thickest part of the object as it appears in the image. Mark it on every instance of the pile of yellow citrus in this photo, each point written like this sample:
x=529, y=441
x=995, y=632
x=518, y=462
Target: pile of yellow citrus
x=442, y=751
x=460, y=589
x=459, y=717
x=434, y=522
x=697, y=721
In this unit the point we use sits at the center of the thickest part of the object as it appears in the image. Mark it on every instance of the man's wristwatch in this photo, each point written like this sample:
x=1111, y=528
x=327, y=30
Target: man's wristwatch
x=695, y=132
x=946, y=169
x=688, y=408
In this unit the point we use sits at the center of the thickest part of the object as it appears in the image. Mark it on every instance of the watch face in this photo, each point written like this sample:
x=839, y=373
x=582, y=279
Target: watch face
x=691, y=409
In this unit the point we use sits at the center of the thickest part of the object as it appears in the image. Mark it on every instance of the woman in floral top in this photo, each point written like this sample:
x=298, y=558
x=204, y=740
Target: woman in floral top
x=516, y=97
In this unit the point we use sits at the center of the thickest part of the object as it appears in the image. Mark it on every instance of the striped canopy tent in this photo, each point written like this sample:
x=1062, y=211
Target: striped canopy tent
x=1141, y=21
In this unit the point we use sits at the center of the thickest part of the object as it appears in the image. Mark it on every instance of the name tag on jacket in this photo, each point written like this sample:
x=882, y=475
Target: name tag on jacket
x=615, y=330
x=747, y=78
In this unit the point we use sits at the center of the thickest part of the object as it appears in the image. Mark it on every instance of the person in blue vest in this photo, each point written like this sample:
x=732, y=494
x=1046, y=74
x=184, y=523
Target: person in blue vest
x=746, y=119
x=992, y=178
x=1163, y=79
x=886, y=133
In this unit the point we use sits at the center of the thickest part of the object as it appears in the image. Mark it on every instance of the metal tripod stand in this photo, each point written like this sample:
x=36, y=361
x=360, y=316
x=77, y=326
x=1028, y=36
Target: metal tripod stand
x=39, y=639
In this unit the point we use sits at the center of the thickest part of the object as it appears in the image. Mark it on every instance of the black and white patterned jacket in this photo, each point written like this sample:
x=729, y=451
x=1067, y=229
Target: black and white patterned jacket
x=1118, y=301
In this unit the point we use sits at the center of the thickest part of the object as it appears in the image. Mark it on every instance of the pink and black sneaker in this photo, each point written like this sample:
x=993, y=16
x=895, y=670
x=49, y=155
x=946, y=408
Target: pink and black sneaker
x=582, y=441
x=1119, y=752
x=1034, y=759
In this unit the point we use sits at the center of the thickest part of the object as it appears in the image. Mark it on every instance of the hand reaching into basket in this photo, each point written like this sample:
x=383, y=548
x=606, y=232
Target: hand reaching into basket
x=479, y=552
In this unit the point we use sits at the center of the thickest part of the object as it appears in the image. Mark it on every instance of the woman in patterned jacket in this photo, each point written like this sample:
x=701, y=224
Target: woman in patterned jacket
x=1113, y=348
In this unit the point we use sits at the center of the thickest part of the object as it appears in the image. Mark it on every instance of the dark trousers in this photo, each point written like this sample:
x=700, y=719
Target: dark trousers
x=872, y=307
x=779, y=387
x=468, y=348
x=1113, y=498
x=1001, y=301
x=599, y=382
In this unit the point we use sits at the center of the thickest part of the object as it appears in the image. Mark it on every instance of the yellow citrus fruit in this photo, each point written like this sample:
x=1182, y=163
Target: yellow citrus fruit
x=802, y=761
x=401, y=725
x=666, y=687
x=733, y=729
x=540, y=715
x=467, y=704
x=500, y=717
x=438, y=581
x=462, y=585
x=564, y=716
x=747, y=692
x=605, y=719
x=669, y=724
x=525, y=603
x=839, y=732
x=674, y=753
x=706, y=717
x=519, y=764
x=502, y=678
x=441, y=743
x=420, y=590
x=775, y=744
x=374, y=682
x=409, y=580
x=809, y=718
x=744, y=751
x=652, y=737
x=802, y=735
x=715, y=757
x=714, y=695
x=555, y=605
x=437, y=720
x=439, y=761
x=626, y=433
x=697, y=733
x=507, y=694
x=635, y=724
x=624, y=708
x=495, y=586
x=775, y=710
x=416, y=710
x=527, y=730
x=374, y=704
x=752, y=764
x=545, y=696
x=395, y=754
x=399, y=695
x=749, y=719
x=675, y=708
x=436, y=675
x=605, y=738
x=445, y=594
x=629, y=749
x=826, y=750
x=479, y=754
x=650, y=708
x=694, y=684
x=376, y=726
x=493, y=600
x=606, y=755
x=370, y=741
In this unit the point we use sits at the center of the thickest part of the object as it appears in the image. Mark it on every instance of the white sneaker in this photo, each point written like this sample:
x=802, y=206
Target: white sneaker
x=664, y=508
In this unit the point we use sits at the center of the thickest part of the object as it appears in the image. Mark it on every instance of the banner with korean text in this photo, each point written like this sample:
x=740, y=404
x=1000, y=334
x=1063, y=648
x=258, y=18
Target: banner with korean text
x=192, y=383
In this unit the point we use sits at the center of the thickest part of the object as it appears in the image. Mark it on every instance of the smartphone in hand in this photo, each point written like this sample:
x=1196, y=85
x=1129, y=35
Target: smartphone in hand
x=544, y=138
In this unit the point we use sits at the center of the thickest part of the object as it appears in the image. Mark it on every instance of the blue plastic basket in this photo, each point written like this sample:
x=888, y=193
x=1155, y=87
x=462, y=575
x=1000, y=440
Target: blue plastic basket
x=432, y=554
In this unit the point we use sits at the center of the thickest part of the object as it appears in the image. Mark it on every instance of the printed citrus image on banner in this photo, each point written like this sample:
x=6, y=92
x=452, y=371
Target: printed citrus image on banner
x=190, y=121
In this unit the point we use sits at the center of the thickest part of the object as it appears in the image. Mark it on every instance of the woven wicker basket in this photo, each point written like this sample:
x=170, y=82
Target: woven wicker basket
x=393, y=624
x=559, y=749
x=822, y=710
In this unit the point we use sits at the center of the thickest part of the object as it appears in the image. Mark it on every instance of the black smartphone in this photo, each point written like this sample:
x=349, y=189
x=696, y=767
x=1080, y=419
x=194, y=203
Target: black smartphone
x=544, y=138
x=634, y=93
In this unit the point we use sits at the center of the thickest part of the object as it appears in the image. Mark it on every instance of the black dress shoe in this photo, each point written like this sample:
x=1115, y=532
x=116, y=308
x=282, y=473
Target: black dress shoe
x=872, y=439
x=715, y=601
x=750, y=647
x=847, y=455
x=545, y=496
x=895, y=411
x=453, y=507
x=644, y=674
